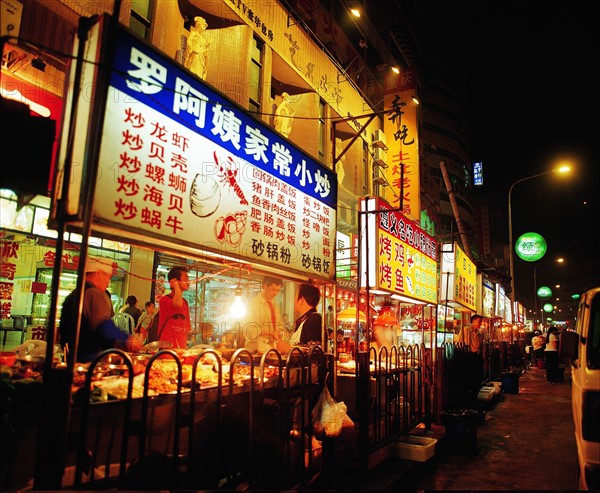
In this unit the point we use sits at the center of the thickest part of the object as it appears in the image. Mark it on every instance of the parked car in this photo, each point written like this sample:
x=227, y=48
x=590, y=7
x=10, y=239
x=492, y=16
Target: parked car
x=581, y=349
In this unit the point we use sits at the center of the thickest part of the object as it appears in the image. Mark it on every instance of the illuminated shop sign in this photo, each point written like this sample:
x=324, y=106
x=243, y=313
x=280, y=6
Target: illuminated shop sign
x=402, y=258
x=544, y=292
x=487, y=298
x=531, y=246
x=500, y=302
x=458, y=276
x=343, y=258
x=181, y=161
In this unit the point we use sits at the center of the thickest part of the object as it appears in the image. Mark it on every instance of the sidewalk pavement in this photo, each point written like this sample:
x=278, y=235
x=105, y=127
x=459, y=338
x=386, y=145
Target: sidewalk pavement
x=525, y=441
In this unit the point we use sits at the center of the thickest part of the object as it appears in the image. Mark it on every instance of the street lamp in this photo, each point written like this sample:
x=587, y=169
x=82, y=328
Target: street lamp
x=559, y=260
x=562, y=169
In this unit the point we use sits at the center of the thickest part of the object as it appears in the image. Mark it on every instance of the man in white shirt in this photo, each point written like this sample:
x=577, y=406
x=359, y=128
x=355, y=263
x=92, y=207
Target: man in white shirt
x=260, y=329
x=537, y=343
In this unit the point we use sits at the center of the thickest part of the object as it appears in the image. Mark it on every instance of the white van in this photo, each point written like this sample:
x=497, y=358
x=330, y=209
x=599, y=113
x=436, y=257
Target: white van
x=581, y=348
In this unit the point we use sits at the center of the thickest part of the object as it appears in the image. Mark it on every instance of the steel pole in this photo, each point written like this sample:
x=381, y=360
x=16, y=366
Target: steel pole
x=535, y=297
x=510, y=241
x=559, y=261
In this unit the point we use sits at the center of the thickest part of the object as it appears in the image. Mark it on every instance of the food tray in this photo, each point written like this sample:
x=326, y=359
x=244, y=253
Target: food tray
x=414, y=447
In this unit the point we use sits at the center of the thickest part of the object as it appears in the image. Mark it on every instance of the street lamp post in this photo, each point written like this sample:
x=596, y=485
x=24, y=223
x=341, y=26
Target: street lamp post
x=559, y=260
x=561, y=169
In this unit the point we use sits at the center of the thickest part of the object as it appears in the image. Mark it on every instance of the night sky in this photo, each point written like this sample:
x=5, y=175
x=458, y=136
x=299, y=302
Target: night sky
x=534, y=102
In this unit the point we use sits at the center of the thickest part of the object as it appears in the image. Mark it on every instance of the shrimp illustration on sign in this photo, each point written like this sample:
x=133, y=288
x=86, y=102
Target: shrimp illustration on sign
x=228, y=175
x=230, y=228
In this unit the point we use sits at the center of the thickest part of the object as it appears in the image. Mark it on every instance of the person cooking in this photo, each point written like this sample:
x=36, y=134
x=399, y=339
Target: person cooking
x=260, y=328
x=385, y=328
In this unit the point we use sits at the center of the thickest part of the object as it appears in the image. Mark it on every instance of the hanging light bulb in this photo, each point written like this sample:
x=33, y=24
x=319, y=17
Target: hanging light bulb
x=238, y=307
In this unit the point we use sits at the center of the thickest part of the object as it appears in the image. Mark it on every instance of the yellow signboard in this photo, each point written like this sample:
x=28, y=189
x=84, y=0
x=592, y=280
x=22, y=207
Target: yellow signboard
x=407, y=257
x=402, y=156
x=466, y=279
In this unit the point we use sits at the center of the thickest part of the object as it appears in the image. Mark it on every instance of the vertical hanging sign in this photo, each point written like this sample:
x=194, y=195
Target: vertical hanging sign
x=400, y=128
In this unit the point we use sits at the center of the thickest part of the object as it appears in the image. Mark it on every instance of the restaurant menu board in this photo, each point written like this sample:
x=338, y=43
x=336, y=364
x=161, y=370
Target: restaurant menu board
x=180, y=161
x=407, y=257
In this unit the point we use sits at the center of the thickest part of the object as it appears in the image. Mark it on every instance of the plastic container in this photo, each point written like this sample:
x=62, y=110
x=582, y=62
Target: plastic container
x=510, y=382
x=486, y=394
x=461, y=430
x=414, y=447
x=8, y=358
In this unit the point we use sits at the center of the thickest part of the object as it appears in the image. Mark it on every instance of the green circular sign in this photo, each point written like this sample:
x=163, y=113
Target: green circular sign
x=544, y=292
x=531, y=247
x=548, y=307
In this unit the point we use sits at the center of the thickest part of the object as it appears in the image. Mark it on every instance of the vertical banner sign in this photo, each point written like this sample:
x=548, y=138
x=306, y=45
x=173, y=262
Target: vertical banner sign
x=180, y=161
x=521, y=313
x=488, y=303
x=400, y=128
x=466, y=279
x=343, y=257
x=500, y=302
x=8, y=267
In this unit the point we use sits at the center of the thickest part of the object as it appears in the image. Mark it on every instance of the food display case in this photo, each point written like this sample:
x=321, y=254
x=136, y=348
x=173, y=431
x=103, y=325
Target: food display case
x=41, y=300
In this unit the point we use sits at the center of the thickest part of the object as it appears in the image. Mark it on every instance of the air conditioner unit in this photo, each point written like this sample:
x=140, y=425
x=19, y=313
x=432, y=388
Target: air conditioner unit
x=379, y=139
x=379, y=157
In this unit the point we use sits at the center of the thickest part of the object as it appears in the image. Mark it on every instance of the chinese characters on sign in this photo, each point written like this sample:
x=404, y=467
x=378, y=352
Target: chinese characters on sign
x=400, y=128
x=188, y=165
x=10, y=253
x=466, y=279
x=407, y=257
x=458, y=277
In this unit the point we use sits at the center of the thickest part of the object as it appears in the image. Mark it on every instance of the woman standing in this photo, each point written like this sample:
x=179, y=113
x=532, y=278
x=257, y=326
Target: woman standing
x=551, y=354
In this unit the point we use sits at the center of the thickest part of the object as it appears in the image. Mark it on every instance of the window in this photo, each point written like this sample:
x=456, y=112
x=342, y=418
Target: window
x=256, y=71
x=141, y=17
x=33, y=218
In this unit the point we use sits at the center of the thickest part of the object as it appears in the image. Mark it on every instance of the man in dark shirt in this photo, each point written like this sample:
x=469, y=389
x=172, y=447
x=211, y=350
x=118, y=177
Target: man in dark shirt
x=132, y=309
x=309, y=324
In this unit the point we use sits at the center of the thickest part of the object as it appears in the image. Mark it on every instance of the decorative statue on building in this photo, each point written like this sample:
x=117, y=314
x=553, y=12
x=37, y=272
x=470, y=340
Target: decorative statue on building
x=284, y=116
x=339, y=166
x=196, y=50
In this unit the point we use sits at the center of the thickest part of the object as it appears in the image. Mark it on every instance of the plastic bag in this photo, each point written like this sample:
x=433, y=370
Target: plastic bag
x=329, y=417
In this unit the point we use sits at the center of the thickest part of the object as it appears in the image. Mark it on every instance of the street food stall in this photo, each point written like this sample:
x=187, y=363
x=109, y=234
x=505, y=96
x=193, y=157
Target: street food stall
x=387, y=382
x=163, y=170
